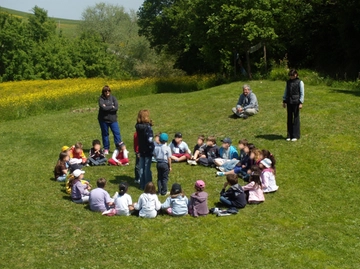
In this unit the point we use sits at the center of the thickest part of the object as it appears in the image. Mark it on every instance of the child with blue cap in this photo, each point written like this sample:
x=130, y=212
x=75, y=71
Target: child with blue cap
x=162, y=154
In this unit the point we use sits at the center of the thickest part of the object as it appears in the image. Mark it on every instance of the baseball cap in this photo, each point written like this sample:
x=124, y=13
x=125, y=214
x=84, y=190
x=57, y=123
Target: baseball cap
x=175, y=188
x=200, y=184
x=78, y=172
x=178, y=135
x=64, y=148
x=163, y=137
x=266, y=162
x=226, y=140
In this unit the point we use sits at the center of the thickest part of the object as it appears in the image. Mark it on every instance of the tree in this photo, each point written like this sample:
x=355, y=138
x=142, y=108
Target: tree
x=41, y=27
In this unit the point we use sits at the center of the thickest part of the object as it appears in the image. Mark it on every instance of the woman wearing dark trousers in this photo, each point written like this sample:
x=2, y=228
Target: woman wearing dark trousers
x=108, y=107
x=293, y=100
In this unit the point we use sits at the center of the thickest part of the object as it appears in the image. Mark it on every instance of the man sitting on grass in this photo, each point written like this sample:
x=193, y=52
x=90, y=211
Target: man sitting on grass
x=247, y=104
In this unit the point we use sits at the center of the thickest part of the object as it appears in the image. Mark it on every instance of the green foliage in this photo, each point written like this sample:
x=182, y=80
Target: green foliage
x=311, y=222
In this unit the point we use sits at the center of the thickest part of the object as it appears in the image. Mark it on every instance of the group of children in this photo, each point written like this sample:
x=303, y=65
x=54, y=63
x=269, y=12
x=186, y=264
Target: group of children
x=254, y=166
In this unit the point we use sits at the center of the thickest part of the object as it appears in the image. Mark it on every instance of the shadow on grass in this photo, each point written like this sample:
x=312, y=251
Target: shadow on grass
x=271, y=137
x=233, y=116
x=353, y=92
x=124, y=178
x=67, y=197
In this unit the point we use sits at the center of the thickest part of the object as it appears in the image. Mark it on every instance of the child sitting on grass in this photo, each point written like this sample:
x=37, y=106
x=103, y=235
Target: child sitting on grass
x=177, y=203
x=99, y=199
x=120, y=155
x=122, y=201
x=253, y=190
x=61, y=168
x=180, y=150
x=227, y=152
x=234, y=196
x=267, y=176
x=244, y=148
x=162, y=154
x=198, y=200
x=148, y=203
x=79, y=191
x=211, y=152
x=77, y=155
x=96, y=154
x=198, y=150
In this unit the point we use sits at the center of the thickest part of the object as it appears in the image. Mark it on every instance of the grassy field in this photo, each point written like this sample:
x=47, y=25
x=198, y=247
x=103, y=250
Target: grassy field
x=68, y=27
x=311, y=222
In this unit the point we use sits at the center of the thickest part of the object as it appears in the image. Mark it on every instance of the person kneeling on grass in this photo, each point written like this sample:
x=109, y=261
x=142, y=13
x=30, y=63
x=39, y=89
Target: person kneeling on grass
x=234, y=196
x=79, y=191
x=99, y=199
x=120, y=155
x=177, y=203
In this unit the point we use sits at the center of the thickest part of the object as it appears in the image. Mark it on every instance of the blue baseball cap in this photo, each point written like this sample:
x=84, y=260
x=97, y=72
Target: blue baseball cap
x=163, y=137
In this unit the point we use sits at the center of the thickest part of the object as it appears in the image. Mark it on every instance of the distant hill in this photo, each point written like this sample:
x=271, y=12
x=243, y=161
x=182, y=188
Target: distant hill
x=67, y=26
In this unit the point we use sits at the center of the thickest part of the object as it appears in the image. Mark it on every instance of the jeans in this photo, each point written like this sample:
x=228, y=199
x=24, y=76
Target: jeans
x=84, y=199
x=163, y=177
x=145, y=174
x=229, y=165
x=61, y=178
x=115, y=129
x=137, y=167
x=293, y=121
x=225, y=201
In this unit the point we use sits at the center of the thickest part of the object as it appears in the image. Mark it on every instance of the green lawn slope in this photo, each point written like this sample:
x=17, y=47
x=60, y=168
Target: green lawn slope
x=311, y=222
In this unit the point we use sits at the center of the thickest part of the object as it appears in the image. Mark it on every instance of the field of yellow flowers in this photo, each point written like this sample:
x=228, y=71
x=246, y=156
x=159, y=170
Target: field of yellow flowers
x=25, y=98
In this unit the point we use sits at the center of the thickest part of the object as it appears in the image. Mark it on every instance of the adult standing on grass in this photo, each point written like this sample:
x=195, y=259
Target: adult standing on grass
x=247, y=104
x=293, y=100
x=108, y=107
x=146, y=147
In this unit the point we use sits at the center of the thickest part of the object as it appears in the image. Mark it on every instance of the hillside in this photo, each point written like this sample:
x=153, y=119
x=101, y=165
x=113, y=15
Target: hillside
x=67, y=26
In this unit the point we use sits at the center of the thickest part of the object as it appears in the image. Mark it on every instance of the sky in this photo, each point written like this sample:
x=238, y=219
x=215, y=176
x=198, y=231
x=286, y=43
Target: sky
x=66, y=9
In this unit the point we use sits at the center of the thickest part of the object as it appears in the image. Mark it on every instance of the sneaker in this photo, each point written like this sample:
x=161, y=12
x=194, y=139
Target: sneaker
x=221, y=169
x=220, y=174
x=126, y=164
x=288, y=139
x=106, y=151
x=223, y=214
x=191, y=162
x=244, y=116
x=137, y=181
x=294, y=139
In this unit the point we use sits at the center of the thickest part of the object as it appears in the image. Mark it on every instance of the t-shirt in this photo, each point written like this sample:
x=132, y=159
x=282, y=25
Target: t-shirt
x=98, y=200
x=122, y=204
x=162, y=153
x=181, y=148
x=201, y=149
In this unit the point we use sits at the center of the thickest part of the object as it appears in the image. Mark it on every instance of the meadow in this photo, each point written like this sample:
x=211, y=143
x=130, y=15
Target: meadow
x=311, y=222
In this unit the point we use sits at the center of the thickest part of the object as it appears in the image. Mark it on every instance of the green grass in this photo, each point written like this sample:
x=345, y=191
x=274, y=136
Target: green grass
x=311, y=222
x=67, y=26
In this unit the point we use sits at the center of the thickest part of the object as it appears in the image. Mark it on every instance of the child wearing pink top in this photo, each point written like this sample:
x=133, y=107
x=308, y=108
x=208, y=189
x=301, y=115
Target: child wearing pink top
x=253, y=190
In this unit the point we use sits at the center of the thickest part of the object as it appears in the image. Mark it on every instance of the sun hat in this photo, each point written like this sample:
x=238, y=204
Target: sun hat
x=64, y=148
x=176, y=188
x=163, y=137
x=199, y=184
x=266, y=162
x=226, y=140
x=78, y=172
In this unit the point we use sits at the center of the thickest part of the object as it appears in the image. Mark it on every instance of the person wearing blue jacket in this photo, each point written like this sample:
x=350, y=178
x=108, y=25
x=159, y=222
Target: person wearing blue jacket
x=227, y=152
x=247, y=104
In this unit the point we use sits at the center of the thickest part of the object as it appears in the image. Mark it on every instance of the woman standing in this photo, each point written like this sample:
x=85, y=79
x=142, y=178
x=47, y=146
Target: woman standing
x=108, y=107
x=146, y=147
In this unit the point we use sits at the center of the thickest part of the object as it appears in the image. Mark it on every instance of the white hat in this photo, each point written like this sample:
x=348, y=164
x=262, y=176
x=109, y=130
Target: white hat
x=266, y=162
x=78, y=172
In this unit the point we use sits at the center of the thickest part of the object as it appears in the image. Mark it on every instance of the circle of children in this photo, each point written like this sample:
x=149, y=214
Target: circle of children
x=256, y=167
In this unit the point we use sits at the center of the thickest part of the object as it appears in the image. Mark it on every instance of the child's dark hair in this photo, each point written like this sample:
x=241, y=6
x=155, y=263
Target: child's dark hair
x=243, y=141
x=268, y=154
x=251, y=146
x=101, y=182
x=123, y=187
x=72, y=181
x=255, y=169
x=255, y=176
x=232, y=179
x=202, y=137
x=150, y=188
x=96, y=142
x=211, y=138
x=62, y=156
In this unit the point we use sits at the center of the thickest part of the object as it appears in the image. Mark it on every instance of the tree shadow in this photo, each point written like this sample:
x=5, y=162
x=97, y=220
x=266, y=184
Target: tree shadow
x=124, y=178
x=353, y=92
x=271, y=137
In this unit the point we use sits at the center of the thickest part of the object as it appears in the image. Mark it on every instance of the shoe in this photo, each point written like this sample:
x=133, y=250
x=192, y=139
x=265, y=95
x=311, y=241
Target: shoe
x=191, y=162
x=223, y=214
x=126, y=164
x=137, y=181
x=294, y=139
x=288, y=139
x=222, y=169
x=244, y=116
x=106, y=151
x=220, y=174
x=87, y=164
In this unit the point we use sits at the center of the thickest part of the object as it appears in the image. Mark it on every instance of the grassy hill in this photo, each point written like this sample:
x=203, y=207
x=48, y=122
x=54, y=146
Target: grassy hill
x=311, y=222
x=67, y=26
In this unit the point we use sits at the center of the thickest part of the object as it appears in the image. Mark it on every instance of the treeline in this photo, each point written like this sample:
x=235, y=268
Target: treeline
x=209, y=35
x=105, y=44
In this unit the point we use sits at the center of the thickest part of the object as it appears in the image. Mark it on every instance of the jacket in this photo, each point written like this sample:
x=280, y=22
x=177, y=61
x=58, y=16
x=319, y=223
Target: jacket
x=235, y=195
x=249, y=101
x=232, y=153
x=145, y=137
x=198, y=204
x=108, y=108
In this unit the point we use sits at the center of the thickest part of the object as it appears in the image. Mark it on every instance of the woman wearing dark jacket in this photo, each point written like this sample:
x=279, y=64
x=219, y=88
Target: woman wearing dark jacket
x=108, y=107
x=145, y=137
